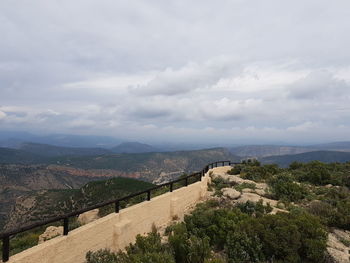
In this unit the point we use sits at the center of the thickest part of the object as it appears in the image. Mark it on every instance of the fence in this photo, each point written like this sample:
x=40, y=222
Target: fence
x=6, y=236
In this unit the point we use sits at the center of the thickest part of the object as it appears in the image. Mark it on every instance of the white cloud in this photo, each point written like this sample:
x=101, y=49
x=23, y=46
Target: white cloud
x=2, y=115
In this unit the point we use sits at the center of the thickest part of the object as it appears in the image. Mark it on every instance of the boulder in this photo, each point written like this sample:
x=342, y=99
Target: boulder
x=247, y=190
x=255, y=198
x=50, y=232
x=231, y=193
x=88, y=217
x=261, y=186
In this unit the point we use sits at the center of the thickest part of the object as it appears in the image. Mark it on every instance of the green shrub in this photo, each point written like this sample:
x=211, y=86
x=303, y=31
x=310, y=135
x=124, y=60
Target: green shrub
x=282, y=238
x=283, y=187
x=257, y=209
x=101, y=256
x=242, y=248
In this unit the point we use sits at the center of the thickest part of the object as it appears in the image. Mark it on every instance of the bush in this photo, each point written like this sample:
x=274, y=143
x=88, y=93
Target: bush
x=258, y=172
x=279, y=238
x=283, y=187
x=148, y=249
x=214, y=223
x=242, y=248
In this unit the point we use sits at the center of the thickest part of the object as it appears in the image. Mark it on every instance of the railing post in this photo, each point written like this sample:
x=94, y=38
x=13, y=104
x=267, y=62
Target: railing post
x=149, y=195
x=186, y=181
x=116, y=206
x=171, y=187
x=65, y=226
x=200, y=176
x=5, y=248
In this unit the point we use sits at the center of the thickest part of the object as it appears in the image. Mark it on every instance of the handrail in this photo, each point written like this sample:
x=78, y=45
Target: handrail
x=6, y=235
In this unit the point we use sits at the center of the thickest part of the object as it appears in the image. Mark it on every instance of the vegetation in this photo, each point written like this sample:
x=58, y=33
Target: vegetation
x=253, y=170
x=215, y=234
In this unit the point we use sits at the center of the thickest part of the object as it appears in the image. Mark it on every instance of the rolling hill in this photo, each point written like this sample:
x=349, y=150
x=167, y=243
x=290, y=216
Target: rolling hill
x=149, y=166
x=134, y=147
x=8, y=155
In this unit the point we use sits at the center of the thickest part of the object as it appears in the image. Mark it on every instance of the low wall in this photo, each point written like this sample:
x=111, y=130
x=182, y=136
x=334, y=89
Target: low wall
x=115, y=231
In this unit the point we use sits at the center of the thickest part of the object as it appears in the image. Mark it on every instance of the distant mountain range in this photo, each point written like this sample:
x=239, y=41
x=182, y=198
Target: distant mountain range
x=14, y=139
x=322, y=156
x=54, y=151
x=28, y=152
x=259, y=151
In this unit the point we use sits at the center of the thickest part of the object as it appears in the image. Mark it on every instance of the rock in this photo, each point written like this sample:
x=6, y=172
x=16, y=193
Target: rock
x=328, y=186
x=342, y=234
x=247, y=190
x=278, y=210
x=50, y=232
x=231, y=193
x=88, y=217
x=260, y=191
x=281, y=205
x=338, y=251
x=255, y=198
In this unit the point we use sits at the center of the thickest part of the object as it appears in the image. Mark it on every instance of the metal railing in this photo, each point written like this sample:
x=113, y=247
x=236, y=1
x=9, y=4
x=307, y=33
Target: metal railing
x=6, y=236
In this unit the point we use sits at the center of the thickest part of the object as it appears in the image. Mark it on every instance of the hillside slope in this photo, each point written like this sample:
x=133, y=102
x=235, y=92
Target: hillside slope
x=40, y=205
x=18, y=180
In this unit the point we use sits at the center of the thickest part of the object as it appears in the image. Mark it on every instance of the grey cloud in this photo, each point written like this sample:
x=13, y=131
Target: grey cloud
x=318, y=84
x=199, y=68
x=188, y=78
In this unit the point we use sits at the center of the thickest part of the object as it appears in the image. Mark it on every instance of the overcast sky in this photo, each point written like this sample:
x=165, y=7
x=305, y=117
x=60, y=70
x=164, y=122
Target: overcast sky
x=226, y=71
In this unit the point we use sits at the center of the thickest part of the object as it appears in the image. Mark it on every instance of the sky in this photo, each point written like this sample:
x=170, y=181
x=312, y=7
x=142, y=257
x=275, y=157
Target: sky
x=228, y=71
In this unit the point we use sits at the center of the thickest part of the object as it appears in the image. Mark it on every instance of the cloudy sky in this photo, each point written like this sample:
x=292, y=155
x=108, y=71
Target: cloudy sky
x=192, y=71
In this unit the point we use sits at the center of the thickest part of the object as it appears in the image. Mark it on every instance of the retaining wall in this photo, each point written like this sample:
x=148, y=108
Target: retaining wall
x=115, y=231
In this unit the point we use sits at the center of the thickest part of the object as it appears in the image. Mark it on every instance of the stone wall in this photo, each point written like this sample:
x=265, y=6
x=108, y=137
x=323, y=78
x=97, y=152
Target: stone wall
x=115, y=231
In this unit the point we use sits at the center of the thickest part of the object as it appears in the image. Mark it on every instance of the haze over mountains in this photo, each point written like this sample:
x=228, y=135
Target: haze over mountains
x=27, y=167
x=25, y=173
